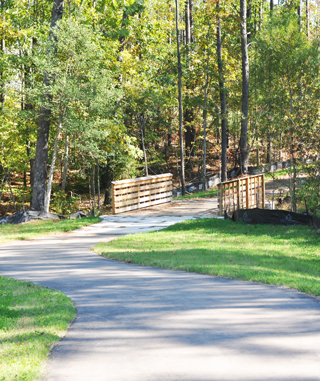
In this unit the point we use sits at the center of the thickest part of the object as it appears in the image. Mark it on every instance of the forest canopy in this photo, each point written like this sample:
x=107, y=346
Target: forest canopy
x=89, y=91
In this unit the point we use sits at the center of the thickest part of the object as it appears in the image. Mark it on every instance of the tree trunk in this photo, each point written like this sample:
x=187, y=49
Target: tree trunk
x=271, y=6
x=108, y=178
x=260, y=14
x=2, y=47
x=307, y=18
x=98, y=182
x=180, y=100
x=243, y=145
x=190, y=134
x=269, y=148
x=204, y=170
x=144, y=150
x=51, y=172
x=41, y=159
x=188, y=116
x=300, y=15
x=222, y=102
x=29, y=107
x=65, y=168
x=93, y=187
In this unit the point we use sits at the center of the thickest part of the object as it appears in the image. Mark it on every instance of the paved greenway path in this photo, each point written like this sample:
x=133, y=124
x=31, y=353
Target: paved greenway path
x=147, y=324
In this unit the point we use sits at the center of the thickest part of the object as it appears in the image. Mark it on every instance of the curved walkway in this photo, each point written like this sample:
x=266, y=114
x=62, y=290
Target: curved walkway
x=147, y=324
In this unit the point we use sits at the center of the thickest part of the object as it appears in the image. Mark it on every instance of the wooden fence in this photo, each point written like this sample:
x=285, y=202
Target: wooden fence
x=244, y=193
x=141, y=192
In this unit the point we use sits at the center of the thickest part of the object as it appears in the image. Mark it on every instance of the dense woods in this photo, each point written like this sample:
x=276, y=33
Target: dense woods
x=96, y=91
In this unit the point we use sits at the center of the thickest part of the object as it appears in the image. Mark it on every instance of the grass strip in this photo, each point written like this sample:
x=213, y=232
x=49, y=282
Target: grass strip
x=279, y=255
x=32, y=320
x=40, y=228
x=202, y=194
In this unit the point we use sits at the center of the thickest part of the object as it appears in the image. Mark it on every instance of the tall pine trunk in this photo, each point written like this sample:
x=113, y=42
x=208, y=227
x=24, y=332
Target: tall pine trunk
x=243, y=144
x=180, y=100
x=41, y=158
x=204, y=170
x=223, y=107
x=190, y=132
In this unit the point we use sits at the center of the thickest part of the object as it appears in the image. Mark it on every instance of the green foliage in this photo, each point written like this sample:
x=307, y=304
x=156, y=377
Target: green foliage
x=64, y=204
x=309, y=191
x=116, y=64
x=285, y=83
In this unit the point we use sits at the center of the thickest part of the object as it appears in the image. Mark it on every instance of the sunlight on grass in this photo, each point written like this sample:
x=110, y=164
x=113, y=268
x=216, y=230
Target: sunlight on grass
x=32, y=320
x=279, y=255
x=40, y=228
x=204, y=194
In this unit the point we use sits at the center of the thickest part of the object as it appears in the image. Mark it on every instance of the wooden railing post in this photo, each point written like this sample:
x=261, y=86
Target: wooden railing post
x=238, y=194
x=221, y=199
x=247, y=193
x=112, y=198
x=263, y=192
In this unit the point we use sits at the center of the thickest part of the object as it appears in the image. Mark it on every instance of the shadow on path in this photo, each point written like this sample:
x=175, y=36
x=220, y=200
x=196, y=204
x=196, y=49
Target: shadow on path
x=145, y=324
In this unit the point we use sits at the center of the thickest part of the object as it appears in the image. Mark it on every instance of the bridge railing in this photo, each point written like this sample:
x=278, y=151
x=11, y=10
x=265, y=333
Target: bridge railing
x=245, y=193
x=141, y=192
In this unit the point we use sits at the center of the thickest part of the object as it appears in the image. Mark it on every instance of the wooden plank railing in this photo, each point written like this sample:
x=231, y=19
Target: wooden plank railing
x=141, y=192
x=244, y=193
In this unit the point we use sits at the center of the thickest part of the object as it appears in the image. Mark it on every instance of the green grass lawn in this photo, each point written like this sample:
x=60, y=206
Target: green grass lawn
x=32, y=320
x=203, y=194
x=40, y=228
x=278, y=255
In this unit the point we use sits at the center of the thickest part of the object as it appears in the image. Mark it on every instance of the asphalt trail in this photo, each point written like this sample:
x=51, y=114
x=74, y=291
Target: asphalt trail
x=147, y=324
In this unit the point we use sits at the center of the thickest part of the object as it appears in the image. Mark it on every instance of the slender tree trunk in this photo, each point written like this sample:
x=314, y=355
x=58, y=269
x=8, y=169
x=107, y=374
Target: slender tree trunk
x=93, y=187
x=2, y=47
x=299, y=11
x=307, y=18
x=271, y=6
x=122, y=40
x=65, y=167
x=12, y=195
x=269, y=147
x=243, y=145
x=180, y=100
x=108, y=178
x=204, y=170
x=188, y=117
x=41, y=159
x=98, y=182
x=29, y=107
x=144, y=148
x=51, y=172
x=222, y=102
